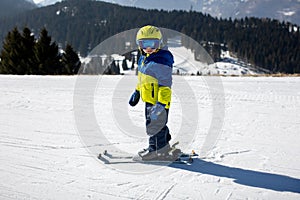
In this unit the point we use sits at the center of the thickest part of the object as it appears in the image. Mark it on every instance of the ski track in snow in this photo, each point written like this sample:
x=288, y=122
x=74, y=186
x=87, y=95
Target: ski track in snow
x=256, y=155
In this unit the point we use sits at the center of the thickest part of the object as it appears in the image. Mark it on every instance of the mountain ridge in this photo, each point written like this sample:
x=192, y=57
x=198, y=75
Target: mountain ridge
x=10, y=8
x=263, y=42
x=288, y=10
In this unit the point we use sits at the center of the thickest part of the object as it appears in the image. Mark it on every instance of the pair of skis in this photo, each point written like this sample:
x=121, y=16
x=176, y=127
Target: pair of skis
x=175, y=156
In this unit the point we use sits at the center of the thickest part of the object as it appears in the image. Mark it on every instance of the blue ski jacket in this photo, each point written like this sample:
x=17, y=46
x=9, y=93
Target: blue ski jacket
x=155, y=77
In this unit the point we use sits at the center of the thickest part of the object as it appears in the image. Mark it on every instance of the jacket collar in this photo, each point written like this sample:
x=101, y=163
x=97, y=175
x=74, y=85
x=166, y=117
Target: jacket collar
x=162, y=56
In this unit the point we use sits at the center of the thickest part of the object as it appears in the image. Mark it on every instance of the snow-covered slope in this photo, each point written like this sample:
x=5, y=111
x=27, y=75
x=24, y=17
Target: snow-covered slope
x=185, y=63
x=43, y=156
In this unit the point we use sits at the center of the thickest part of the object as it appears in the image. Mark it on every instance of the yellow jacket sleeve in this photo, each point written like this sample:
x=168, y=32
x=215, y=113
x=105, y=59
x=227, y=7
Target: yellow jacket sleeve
x=164, y=96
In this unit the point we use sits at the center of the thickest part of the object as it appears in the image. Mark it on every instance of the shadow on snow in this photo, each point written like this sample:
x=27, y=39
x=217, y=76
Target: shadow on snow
x=251, y=178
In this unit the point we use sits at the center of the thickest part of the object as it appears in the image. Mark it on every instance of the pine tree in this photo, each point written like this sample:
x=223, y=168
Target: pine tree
x=70, y=61
x=10, y=62
x=124, y=65
x=22, y=55
x=132, y=62
x=47, y=57
x=27, y=46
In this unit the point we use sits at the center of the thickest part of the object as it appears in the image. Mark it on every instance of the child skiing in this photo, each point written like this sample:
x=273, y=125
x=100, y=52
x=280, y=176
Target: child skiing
x=154, y=88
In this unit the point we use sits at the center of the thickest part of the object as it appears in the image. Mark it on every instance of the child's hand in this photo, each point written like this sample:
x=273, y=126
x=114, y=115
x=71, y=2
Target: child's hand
x=156, y=110
x=134, y=99
x=158, y=117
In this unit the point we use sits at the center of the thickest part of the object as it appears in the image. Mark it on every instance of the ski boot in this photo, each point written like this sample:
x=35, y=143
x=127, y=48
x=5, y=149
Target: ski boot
x=161, y=154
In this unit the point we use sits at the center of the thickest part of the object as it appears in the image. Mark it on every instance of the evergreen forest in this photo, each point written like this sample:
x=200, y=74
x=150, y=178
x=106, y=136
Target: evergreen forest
x=83, y=24
x=23, y=54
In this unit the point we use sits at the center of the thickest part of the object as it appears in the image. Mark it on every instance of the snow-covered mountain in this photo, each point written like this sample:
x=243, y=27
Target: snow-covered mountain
x=166, y=4
x=288, y=10
x=46, y=2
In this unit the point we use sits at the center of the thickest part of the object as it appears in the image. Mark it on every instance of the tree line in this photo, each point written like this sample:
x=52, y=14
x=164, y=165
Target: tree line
x=84, y=24
x=23, y=54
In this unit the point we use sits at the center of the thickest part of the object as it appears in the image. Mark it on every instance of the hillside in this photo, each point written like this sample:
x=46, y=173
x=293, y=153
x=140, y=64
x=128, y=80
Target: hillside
x=10, y=8
x=288, y=10
x=84, y=24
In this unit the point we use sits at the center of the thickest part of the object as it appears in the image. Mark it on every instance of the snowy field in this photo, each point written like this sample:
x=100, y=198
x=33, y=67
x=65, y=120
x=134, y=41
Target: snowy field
x=246, y=130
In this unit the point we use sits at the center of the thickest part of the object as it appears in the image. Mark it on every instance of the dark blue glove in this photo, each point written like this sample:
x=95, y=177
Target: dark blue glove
x=156, y=111
x=134, y=99
x=158, y=118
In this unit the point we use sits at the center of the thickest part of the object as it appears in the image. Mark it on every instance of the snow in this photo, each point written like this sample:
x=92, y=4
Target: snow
x=46, y=2
x=45, y=154
x=288, y=13
x=185, y=63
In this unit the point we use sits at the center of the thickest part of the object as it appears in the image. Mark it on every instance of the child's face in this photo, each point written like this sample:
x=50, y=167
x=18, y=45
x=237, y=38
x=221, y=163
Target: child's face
x=148, y=50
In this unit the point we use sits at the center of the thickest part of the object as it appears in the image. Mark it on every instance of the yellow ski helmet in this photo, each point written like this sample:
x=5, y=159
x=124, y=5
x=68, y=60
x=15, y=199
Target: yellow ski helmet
x=147, y=33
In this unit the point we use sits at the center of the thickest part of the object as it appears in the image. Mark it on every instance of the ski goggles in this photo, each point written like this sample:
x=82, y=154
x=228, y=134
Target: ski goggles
x=152, y=43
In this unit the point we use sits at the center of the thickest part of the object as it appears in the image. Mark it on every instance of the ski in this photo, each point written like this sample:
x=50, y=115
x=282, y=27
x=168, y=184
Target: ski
x=131, y=159
x=174, y=156
x=115, y=158
x=171, y=160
